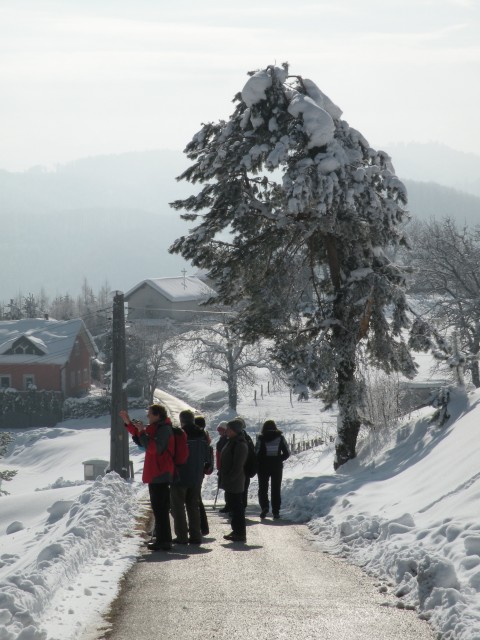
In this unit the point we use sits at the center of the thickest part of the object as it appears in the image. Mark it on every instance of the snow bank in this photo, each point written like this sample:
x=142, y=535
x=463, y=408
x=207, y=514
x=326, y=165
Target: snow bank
x=54, y=586
x=408, y=515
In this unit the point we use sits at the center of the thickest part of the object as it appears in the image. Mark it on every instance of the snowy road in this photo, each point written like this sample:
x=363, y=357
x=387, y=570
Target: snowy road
x=277, y=586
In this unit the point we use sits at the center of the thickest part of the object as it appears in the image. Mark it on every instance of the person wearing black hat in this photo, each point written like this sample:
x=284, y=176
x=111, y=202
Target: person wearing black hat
x=232, y=478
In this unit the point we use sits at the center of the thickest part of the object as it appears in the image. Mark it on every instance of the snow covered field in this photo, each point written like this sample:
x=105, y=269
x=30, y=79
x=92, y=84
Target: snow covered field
x=406, y=510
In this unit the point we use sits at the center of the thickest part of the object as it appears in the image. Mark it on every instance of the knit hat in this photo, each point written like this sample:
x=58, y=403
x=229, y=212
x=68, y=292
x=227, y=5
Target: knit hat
x=222, y=427
x=241, y=420
x=236, y=425
x=186, y=418
x=269, y=425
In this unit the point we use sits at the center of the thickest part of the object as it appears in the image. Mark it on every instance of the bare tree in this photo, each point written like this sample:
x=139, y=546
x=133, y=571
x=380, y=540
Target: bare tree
x=382, y=399
x=218, y=348
x=151, y=356
x=448, y=275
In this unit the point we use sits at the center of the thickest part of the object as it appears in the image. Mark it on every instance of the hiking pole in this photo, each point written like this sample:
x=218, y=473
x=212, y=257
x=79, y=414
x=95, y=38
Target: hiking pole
x=216, y=496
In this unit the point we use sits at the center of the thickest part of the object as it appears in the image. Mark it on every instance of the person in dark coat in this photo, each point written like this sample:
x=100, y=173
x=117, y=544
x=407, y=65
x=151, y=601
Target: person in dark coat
x=232, y=478
x=247, y=478
x=272, y=450
x=221, y=442
x=186, y=488
x=202, y=424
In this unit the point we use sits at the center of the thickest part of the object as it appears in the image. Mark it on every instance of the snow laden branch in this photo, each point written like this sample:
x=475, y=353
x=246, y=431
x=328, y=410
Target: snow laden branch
x=310, y=211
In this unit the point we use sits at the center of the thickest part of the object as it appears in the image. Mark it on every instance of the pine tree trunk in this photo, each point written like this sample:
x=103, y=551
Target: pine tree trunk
x=345, y=344
x=348, y=420
x=475, y=374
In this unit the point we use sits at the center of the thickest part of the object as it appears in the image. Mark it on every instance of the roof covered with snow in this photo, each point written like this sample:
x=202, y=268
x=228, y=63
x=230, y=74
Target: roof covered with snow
x=177, y=289
x=55, y=339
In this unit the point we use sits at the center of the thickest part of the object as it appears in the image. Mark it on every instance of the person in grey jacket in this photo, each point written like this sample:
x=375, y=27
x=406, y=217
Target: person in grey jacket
x=272, y=450
x=232, y=478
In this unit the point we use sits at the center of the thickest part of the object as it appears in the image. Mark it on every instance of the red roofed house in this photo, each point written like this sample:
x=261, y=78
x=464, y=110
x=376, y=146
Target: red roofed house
x=51, y=355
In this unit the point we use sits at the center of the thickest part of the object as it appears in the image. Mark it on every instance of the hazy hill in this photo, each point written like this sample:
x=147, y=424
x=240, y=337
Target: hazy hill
x=435, y=162
x=428, y=200
x=143, y=180
x=107, y=218
x=58, y=250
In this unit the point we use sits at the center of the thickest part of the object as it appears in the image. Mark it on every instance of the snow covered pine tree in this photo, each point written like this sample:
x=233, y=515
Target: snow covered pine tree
x=295, y=214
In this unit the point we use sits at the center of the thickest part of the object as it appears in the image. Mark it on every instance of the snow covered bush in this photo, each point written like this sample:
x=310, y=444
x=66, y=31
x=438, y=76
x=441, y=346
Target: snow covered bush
x=6, y=474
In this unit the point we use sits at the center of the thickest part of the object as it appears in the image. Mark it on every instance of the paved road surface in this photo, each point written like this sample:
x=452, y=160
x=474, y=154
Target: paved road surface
x=278, y=586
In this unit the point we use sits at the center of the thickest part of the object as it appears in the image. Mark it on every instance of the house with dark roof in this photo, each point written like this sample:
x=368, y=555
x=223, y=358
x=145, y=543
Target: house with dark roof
x=176, y=298
x=46, y=355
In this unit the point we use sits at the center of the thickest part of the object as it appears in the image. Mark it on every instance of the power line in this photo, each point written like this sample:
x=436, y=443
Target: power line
x=175, y=310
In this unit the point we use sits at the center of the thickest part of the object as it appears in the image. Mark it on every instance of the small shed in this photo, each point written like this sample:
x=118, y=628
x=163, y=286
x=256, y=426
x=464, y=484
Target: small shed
x=94, y=468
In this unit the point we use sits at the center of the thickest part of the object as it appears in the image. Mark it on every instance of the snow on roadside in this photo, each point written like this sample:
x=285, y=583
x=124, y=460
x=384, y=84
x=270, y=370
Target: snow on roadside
x=406, y=514
x=57, y=583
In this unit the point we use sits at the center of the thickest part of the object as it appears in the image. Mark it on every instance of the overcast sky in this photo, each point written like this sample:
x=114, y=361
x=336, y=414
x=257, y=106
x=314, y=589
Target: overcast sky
x=88, y=77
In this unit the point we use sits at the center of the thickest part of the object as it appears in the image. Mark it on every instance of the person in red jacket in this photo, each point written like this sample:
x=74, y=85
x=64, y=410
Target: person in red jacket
x=165, y=448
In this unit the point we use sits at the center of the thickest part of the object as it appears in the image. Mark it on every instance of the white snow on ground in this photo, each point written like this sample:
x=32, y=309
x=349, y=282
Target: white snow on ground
x=406, y=510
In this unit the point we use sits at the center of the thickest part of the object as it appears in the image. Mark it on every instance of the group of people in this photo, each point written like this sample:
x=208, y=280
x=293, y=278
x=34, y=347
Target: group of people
x=177, y=459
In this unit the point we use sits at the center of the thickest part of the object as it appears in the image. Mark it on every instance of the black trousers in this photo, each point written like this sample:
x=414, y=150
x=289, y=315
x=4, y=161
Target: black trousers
x=203, y=519
x=271, y=473
x=245, y=491
x=160, y=501
x=237, y=509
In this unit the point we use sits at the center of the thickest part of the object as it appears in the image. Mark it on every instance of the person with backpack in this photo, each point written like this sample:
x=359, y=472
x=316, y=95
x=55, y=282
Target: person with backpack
x=272, y=451
x=185, y=491
x=232, y=478
x=165, y=449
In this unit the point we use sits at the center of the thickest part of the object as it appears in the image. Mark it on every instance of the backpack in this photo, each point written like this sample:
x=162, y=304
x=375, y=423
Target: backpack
x=251, y=463
x=209, y=464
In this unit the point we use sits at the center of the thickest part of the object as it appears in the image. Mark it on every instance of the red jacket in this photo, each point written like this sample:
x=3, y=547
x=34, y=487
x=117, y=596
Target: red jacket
x=165, y=448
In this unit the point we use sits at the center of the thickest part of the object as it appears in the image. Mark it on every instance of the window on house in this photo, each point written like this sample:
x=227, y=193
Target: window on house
x=85, y=375
x=72, y=378
x=77, y=347
x=28, y=381
x=23, y=346
x=5, y=382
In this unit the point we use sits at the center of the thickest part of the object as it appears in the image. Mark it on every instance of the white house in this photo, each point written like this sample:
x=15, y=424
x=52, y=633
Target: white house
x=177, y=298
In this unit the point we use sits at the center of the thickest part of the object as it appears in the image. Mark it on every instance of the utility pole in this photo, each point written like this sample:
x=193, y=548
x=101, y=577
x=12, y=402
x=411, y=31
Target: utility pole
x=119, y=458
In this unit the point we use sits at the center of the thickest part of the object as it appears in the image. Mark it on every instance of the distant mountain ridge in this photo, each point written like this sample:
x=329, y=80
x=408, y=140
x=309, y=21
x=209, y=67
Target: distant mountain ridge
x=435, y=162
x=107, y=218
x=428, y=200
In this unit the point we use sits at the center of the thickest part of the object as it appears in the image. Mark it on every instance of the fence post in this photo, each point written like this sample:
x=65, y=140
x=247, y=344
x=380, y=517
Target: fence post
x=255, y=397
x=261, y=390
